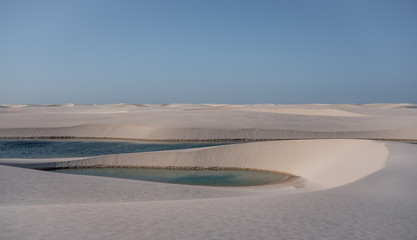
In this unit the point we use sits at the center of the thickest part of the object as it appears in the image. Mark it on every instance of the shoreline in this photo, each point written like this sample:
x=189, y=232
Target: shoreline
x=199, y=140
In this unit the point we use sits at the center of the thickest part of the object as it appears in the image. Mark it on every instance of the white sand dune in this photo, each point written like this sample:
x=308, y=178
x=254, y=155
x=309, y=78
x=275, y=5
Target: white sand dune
x=44, y=205
x=347, y=188
x=291, y=110
x=205, y=122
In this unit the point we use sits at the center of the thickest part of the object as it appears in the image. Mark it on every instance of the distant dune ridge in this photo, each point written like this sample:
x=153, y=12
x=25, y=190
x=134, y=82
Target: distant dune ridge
x=348, y=181
x=210, y=122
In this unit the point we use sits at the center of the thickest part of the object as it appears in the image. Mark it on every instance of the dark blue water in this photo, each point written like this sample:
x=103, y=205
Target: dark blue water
x=85, y=148
x=190, y=177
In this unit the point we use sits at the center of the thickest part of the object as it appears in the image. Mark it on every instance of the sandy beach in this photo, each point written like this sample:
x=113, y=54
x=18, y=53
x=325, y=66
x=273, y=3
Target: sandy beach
x=353, y=168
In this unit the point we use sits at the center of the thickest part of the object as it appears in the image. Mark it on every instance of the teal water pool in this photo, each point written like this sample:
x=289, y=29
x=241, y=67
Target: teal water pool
x=180, y=176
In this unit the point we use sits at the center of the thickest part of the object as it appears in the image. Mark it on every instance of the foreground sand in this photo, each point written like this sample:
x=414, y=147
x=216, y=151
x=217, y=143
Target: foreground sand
x=345, y=189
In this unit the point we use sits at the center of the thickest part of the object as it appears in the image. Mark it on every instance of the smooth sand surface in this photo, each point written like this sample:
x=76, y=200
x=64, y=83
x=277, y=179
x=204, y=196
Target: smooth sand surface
x=343, y=188
x=210, y=122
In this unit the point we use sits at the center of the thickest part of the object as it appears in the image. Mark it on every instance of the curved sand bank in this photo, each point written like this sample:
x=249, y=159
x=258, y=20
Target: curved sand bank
x=323, y=163
x=45, y=205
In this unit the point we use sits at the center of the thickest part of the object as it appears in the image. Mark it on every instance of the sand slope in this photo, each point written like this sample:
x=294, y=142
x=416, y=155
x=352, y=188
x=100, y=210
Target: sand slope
x=208, y=122
x=348, y=189
x=38, y=205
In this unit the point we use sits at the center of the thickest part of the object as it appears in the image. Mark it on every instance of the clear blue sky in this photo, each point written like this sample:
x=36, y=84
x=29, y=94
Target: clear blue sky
x=213, y=51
